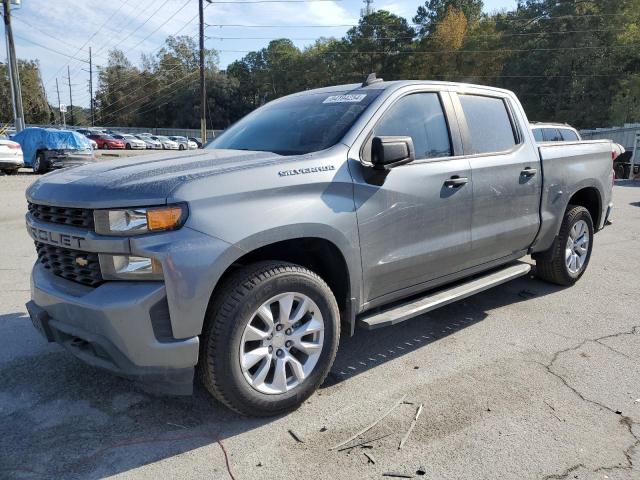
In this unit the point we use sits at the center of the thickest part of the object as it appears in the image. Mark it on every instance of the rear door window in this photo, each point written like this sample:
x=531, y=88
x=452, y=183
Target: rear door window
x=489, y=123
x=568, y=135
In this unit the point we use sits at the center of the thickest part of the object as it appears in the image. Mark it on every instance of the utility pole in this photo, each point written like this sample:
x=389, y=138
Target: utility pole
x=58, y=92
x=14, y=76
x=203, y=92
x=70, y=96
x=91, y=86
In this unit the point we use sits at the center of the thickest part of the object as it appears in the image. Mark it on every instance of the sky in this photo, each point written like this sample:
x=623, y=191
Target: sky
x=58, y=33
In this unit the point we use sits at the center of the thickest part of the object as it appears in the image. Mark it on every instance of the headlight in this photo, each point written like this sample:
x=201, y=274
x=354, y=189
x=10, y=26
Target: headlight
x=136, y=221
x=129, y=267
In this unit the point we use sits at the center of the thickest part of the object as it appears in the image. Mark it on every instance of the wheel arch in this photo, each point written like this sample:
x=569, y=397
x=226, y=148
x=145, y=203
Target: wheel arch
x=316, y=253
x=589, y=198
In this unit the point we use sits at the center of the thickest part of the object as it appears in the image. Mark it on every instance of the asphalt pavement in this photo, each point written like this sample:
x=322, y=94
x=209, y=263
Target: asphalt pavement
x=525, y=381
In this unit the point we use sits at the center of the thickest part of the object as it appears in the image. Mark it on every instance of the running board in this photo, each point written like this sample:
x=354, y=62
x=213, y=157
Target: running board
x=440, y=298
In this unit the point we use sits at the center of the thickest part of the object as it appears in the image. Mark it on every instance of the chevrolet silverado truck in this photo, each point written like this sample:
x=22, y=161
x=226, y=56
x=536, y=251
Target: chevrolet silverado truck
x=243, y=263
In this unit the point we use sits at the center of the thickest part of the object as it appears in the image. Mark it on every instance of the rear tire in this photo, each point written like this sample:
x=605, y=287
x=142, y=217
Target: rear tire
x=128, y=146
x=238, y=308
x=40, y=164
x=11, y=171
x=105, y=146
x=567, y=259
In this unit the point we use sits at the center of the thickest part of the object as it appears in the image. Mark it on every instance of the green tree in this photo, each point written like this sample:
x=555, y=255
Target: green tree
x=34, y=104
x=434, y=11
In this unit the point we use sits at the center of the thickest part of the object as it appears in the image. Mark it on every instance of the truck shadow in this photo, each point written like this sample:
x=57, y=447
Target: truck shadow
x=368, y=349
x=64, y=419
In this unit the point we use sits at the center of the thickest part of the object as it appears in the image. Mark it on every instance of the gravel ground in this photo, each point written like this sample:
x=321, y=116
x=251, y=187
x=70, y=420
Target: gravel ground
x=525, y=381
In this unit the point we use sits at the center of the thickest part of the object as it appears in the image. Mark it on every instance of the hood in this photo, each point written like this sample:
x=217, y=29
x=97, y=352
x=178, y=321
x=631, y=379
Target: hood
x=146, y=180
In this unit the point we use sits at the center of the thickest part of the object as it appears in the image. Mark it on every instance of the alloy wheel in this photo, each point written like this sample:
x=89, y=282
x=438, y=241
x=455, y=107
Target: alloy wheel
x=577, y=247
x=281, y=343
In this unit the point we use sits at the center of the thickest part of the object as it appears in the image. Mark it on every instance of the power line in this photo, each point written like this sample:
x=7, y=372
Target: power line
x=271, y=1
x=90, y=38
x=154, y=93
x=342, y=25
x=120, y=42
x=161, y=25
x=409, y=37
x=48, y=35
x=498, y=50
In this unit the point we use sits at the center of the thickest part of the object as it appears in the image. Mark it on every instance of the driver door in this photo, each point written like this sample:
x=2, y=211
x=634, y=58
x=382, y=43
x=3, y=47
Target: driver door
x=414, y=223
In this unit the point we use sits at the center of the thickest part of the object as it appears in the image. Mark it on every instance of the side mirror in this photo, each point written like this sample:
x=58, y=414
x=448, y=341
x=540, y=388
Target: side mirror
x=389, y=152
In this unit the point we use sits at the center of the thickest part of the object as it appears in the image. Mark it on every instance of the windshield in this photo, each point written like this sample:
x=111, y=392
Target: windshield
x=299, y=124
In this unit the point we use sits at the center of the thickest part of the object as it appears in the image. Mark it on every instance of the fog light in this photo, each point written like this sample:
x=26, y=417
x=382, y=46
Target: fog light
x=129, y=267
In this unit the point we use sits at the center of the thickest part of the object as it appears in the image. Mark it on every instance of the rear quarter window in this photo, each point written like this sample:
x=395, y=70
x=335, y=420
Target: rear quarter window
x=489, y=123
x=568, y=135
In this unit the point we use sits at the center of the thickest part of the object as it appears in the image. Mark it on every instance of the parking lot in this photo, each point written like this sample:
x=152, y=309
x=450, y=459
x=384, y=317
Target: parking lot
x=525, y=381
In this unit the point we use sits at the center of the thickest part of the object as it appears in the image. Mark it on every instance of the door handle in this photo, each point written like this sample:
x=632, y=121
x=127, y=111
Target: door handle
x=455, y=181
x=528, y=172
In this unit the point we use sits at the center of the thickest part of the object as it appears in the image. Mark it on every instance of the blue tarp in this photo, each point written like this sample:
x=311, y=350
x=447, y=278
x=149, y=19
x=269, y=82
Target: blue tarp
x=33, y=139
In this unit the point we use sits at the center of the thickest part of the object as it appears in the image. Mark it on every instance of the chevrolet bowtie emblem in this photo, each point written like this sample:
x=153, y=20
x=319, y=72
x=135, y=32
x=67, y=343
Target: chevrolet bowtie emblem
x=82, y=262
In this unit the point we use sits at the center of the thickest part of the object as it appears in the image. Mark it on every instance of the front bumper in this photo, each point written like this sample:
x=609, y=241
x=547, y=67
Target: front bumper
x=140, y=329
x=119, y=326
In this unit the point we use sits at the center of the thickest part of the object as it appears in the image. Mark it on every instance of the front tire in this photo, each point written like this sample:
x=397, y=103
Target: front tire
x=567, y=259
x=270, y=338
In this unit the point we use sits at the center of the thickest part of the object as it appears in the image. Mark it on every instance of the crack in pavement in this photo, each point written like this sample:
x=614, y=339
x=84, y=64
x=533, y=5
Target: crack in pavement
x=565, y=474
x=624, y=420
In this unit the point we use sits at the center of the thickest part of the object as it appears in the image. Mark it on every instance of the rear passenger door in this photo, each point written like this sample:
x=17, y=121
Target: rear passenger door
x=413, y=220
x=506, y=177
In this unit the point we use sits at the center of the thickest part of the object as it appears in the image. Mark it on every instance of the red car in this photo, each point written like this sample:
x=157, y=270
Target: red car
x=107, y=142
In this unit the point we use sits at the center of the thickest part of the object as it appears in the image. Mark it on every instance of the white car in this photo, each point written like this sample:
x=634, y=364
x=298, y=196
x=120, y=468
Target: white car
x=554, y=132
x=11, y=158
x=131, y=142
x=94, y=145
x=167, y=143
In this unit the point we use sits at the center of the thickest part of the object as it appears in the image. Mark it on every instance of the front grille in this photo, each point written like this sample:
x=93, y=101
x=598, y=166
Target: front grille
x=69, y=264
x=75, y=217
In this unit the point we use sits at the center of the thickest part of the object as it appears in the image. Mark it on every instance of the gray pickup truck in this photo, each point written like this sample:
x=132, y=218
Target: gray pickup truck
x=351, y=205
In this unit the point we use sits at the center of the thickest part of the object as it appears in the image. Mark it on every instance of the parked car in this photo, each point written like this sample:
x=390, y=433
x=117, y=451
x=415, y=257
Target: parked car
x=197, y=141
x=130, y=142
x=184, y=143
x=85, y=131
x=167, y=144
x=45, y=149
x=554, y=132
x=107, y=142
x=11, y=158
x=150, y=142
x=358, y=204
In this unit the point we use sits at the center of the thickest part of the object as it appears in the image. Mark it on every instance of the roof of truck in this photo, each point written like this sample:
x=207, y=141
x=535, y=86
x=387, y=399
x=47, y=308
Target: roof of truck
x=394, y=84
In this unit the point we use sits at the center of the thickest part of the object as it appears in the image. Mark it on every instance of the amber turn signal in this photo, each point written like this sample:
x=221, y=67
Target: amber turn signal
x=166, y=218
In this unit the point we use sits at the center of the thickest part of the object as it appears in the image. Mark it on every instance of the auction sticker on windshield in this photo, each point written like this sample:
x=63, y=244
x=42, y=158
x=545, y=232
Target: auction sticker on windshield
x=347, y=98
